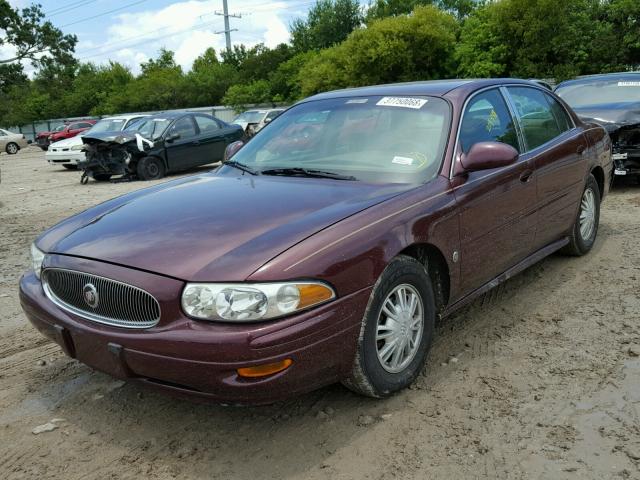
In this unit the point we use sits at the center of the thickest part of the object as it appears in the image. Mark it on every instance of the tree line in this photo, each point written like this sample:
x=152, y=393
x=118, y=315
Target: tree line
x=339, y=44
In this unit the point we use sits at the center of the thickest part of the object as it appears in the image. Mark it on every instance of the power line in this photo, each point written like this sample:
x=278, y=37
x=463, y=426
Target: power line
x=126, y=39
x=147, y=40
x=103, y=13
x=68, y=7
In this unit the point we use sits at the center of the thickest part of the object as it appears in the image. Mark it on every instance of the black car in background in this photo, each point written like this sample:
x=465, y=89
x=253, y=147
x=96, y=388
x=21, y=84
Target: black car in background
x=154, y=146
x=613, y=101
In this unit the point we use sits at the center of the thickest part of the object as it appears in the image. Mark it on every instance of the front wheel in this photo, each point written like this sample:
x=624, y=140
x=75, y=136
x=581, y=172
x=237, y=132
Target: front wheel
x=585, y=228
x=397, y=330
x=150, y=168
x=12, y=148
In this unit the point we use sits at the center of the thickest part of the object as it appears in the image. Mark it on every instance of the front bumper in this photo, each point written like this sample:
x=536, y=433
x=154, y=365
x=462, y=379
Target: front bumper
x=64, y=156
x=200, y=359
x=626, y=163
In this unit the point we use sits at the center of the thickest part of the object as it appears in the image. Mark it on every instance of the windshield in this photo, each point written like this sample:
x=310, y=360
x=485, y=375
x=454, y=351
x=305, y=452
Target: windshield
x=108, y=125
x=601, y=91
x=250, y=116
x=374, y=139
x=151, y=128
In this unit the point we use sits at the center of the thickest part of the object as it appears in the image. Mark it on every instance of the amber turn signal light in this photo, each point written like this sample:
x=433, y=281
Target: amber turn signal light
x=312, y=294
x=266, y=369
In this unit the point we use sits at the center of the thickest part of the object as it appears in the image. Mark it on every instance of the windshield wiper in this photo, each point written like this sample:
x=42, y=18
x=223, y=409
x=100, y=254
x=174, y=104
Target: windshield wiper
x=293, y=171
x=241, y=166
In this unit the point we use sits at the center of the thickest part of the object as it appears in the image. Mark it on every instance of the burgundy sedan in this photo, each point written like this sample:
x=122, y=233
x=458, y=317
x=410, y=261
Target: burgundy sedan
x=325, y=248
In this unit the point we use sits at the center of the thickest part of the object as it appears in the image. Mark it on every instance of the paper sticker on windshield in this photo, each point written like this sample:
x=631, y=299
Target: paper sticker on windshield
x=405, y=102
x=629, y=84
x=402, y=160
x=358, y=100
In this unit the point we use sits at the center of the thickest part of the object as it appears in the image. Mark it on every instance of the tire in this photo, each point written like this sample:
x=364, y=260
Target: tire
x=69, y=166
x=373, y=374
x=101, y=177
x=43, y=148
x=582, y=239
x=150, y=168
x=12, y=148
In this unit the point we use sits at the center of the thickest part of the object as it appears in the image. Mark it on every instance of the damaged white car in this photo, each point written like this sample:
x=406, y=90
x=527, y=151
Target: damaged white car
x=70, y=151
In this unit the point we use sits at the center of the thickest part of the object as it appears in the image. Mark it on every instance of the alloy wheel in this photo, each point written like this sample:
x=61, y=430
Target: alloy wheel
x=587, y=214
x=399, y=328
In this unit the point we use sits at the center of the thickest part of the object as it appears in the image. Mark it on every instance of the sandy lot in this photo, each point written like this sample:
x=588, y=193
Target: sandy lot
x=539, y=379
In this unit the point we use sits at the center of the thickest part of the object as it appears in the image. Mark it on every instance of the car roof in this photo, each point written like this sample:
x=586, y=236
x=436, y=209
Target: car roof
x=436, y=88
x=599, y=77
x=170, y=114
x=125, y=117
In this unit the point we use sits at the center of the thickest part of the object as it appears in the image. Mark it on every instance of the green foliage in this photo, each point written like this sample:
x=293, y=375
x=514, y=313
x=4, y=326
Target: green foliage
x=240, y=95
x=333, y=47
x=32, y=38
x=329, y=22
x=395, y=49
x=538, y=38
x=392, y=8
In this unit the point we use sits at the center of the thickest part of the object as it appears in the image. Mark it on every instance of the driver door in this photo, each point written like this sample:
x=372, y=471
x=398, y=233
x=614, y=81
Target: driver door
x=181, y=144
x=497, y=206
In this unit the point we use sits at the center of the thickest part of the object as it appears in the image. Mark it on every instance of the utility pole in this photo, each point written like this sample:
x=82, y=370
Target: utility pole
x=227, y=30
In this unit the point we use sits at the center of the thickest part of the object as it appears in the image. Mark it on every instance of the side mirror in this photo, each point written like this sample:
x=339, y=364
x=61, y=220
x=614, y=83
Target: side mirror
x=485, y=155
x=172, y=137
x=267, y=120
x=232, y=149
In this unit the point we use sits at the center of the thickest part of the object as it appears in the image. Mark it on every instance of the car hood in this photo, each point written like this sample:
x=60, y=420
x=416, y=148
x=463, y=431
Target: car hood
x=68, y=142
x=109, y=137
x=242, y=124
x=211, y=227
x=612, y=116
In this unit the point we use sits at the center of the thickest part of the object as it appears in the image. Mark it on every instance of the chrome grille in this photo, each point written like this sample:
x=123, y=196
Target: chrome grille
x=117, y=303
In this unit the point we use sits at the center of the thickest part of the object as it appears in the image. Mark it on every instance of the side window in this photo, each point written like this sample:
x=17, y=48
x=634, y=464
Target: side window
x=130, y=121
x=487, y=119
x=271, y=115
x=538, y=123
x=184, y=127
x=206, y=124
x=565, y=122
x=74, y=126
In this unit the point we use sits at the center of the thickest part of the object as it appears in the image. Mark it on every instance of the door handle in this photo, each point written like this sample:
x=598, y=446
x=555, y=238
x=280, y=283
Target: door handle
x=525, y=176
x=580, y=150
x=195, y=142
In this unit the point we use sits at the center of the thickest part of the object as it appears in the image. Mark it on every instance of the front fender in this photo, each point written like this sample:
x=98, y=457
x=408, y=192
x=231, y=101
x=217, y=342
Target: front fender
x=351, y=254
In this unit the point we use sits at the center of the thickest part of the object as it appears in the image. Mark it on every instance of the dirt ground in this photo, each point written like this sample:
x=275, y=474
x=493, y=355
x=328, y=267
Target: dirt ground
x=539, y=379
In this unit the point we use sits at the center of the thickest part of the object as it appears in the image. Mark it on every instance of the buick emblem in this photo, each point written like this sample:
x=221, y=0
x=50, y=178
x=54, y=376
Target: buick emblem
x=90, y=294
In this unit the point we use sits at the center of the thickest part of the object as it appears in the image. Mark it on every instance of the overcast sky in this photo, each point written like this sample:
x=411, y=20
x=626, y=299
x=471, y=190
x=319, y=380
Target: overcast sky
x=131, y=31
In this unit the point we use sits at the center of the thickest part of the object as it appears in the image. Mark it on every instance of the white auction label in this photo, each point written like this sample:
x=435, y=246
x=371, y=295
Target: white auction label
x=405, y=102
x=402, y=160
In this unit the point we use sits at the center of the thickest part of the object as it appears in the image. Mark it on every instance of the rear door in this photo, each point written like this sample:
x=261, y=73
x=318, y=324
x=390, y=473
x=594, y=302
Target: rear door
x=4, y=137
x=211, y=139
x=182, y=151
x=558, y=150
x=497, y=224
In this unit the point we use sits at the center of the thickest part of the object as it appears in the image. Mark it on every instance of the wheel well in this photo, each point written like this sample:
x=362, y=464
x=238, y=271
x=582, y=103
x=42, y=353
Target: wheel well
x=434, y=260
x=598, y=174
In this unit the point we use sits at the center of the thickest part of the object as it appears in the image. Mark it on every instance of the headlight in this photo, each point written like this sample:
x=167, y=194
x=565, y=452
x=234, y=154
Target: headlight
x=246, y=302
x=78, y=147
x=37, y=257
